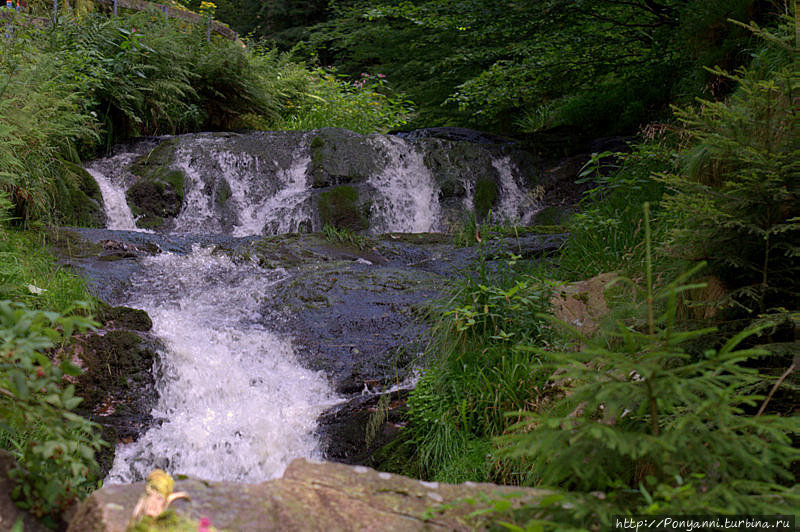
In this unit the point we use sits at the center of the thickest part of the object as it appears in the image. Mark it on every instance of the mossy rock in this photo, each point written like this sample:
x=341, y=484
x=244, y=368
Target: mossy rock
x=77, y=198
x=159, y=191
x=485, y=197
x=113, y=362
x=339, y=156
x=339, y=207
x=222, y=193
x=123, y=317
x=552, y=215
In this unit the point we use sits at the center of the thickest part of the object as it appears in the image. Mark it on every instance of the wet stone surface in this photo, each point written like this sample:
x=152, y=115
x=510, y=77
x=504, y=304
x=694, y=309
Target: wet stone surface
x=354, y=313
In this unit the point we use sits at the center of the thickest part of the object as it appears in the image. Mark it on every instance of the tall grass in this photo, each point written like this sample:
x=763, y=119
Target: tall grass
x=478, y=373
x=608, y=234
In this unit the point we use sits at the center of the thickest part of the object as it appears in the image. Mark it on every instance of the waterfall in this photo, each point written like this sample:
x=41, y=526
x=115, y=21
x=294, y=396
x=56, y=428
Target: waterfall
x=240, y=193
x=234, y=403
x=407, y=199
x=109, y=173
x=515, y=204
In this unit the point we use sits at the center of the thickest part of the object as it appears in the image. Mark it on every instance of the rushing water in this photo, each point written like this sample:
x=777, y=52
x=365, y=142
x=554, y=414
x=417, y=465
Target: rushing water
x=407, y=199
x=234, y=403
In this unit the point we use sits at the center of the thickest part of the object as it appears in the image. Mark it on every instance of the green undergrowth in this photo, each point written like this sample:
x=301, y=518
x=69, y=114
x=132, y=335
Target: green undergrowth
x=29, y=274
x=681, y=402
x=460, y=403
x=345, y=236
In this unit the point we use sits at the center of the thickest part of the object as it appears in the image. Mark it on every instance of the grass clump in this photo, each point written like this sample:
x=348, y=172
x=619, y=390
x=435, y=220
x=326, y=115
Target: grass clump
x=345, y=236
x=478, y=374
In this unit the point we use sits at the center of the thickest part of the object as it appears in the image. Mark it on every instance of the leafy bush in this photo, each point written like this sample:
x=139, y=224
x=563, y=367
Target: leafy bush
x=56, y=463
x=366, y=105
x=607, y=235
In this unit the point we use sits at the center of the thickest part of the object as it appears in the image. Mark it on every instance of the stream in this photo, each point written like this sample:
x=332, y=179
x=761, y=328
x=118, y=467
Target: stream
x=237, y=396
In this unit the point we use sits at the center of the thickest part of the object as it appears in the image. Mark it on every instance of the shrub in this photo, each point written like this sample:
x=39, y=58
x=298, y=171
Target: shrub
x=56, y=461
x=366, y=105
x=478, y=374
x=607, y=235
x=736, y=200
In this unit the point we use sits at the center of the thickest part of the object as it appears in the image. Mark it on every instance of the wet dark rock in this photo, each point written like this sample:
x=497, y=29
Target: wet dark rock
x=345, y=426
x=339, y=156
x=117, y=383
x=340, y=167
x=124, y=318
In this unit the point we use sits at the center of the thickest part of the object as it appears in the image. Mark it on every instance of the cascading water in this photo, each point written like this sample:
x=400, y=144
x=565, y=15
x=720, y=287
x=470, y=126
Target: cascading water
x=234, y=404
x=407, y=199
x=260, y=196
x=515, y=204
x=110, y=178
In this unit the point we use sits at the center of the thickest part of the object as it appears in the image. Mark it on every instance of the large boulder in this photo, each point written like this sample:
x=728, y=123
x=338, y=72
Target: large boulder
x=310, y=496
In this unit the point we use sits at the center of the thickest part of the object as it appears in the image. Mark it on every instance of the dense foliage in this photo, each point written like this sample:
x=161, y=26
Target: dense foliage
x=55, y=445
x=659, y=412
x=528, y=65
x=68, y=92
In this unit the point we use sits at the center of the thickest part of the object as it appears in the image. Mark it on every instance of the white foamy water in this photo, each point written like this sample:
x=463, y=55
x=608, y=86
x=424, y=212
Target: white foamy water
x=280, y=213
x=515, y=204
x=264, y=198
x=236, y=404
x=407, y=199
x=197, y=213
x=109, y=175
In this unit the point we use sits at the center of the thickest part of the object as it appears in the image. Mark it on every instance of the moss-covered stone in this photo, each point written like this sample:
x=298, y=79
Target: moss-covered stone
x=222, y=193
x=123, y=317
x=339, y=207
x=159, y=192
x=485, y=197
x=339, y=156
x=77, y=198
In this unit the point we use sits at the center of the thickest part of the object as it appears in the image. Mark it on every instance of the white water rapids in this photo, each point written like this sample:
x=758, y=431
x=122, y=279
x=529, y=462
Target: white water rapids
x=234, y=403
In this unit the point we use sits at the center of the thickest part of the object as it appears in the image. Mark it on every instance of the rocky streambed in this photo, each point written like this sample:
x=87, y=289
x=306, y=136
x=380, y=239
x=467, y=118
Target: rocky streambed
x=263, y=290
x=352, y=313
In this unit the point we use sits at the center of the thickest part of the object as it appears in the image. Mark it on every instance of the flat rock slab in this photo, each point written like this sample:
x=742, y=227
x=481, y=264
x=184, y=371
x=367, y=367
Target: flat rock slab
x=310, y=496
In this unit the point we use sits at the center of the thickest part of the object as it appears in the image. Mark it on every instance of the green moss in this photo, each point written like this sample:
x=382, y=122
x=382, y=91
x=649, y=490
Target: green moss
x=77, y=198
x=339, y=208
x=223, y=193
x=485, y=196
x=159, y=191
